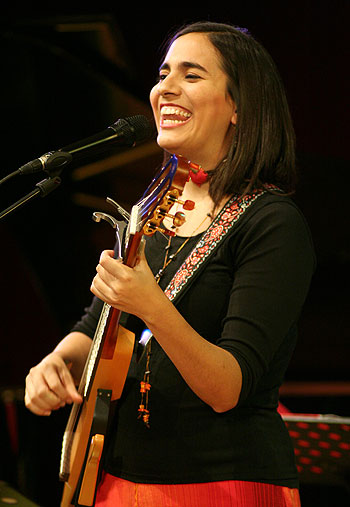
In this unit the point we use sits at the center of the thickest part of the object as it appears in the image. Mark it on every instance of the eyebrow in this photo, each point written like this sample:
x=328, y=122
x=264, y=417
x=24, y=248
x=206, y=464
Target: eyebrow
x=185, y=65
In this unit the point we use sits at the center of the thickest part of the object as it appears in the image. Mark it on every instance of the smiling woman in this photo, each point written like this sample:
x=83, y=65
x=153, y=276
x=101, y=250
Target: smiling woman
x=197, y=423
x=197, y=88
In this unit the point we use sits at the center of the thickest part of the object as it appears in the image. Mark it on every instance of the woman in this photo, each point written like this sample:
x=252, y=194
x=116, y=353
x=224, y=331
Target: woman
x=223, y=336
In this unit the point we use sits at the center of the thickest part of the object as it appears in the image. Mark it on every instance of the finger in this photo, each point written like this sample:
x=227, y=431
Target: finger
x=105, y=274
x=107, y=254
x=110, y=277
x=53, y=375
x=39, y=399
x=67, y=381
x=103, y=291
x=47, y=384
x=35, y=408
x=99, y=287
x=108, y=262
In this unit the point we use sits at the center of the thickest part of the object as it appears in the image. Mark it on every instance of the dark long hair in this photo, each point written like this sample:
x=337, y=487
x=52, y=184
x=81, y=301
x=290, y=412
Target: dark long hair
x=263, y=148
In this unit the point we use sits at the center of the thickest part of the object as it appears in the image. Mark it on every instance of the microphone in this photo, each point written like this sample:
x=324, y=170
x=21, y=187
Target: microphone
x=125, y=132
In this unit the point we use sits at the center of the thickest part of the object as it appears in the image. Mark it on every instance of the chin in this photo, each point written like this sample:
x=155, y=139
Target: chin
x=177, y=147
x=168, y=144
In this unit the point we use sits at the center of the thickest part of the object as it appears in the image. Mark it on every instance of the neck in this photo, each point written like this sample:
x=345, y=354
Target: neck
x=197, y=190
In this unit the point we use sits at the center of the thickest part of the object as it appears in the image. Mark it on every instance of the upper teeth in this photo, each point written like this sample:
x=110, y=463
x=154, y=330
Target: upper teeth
x=173, y=110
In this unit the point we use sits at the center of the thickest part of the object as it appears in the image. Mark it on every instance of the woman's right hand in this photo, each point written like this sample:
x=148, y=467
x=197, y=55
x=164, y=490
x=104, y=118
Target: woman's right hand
x=50, y=386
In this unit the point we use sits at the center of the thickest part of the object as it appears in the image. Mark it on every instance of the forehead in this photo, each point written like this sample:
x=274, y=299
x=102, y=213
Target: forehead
x=194, y=47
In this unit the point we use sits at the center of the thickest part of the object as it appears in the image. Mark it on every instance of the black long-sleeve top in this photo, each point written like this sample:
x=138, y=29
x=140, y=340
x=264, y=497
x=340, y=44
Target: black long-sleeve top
x=247, y=300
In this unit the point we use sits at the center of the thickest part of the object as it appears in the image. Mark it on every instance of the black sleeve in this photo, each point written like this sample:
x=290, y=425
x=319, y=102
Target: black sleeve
x=273, y=268
x=88, y=322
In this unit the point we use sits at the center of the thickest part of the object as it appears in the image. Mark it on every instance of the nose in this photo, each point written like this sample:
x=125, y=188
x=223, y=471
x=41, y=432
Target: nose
x=168, y=86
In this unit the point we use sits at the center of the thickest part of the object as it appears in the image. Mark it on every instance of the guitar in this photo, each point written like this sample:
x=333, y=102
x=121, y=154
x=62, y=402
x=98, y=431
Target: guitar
x=108, y=362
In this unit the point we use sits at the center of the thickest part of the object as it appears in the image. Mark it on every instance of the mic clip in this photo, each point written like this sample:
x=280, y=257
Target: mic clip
x=52, y=162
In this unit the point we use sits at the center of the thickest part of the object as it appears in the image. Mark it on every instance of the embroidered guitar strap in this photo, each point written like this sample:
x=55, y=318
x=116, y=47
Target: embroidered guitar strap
x=209, y=242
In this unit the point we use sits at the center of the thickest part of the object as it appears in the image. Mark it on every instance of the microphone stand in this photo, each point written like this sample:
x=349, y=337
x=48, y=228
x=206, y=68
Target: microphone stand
x=52, y=163
x=43, y=188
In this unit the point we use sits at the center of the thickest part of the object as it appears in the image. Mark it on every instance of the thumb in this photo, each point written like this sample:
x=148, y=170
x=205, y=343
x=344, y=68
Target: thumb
x=68, y=382
x=141, y=256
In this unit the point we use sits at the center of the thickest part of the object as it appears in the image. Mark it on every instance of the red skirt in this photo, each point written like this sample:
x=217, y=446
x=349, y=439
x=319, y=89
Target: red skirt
x=116, y=492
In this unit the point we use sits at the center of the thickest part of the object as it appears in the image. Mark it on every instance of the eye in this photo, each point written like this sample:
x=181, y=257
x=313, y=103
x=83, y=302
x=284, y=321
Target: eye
x=161, y=77
x=192, y=77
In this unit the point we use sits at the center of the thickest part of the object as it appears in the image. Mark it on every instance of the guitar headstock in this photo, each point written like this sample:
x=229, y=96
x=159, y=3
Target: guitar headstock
x=164, y=191
x=148, y=214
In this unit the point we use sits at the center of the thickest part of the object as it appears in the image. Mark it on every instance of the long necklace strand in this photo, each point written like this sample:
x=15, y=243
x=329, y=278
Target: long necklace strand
x=145, y=385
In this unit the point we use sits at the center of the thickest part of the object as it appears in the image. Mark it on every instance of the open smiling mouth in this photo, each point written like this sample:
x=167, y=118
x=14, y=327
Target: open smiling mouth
x=171, y=116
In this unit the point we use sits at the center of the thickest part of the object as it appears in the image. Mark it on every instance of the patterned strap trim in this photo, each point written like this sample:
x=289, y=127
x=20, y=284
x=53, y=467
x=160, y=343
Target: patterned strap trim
x=229, y=216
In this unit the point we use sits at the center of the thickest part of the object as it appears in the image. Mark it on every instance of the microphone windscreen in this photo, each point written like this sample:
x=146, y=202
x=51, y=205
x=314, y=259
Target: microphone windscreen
x=138, y=127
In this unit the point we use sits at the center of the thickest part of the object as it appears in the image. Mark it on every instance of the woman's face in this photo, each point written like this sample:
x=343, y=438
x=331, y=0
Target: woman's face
x=193, y=111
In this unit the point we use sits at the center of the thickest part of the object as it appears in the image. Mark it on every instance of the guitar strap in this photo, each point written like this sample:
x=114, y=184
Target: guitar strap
x=219, y=229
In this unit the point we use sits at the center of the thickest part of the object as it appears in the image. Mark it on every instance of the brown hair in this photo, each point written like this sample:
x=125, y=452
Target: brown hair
x=263, y=149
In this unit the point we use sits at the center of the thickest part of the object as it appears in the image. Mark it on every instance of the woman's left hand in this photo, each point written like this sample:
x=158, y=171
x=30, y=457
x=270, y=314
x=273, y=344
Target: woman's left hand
x=132, y=290
x=210, y=371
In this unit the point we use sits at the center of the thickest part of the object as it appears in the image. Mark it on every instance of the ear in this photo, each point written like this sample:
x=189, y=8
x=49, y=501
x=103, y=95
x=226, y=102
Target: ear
x=234, y=113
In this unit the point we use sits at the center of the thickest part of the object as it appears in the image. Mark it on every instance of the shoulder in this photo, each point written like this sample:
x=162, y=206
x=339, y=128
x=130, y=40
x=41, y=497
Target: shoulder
x=275, y=225
x=276, y=211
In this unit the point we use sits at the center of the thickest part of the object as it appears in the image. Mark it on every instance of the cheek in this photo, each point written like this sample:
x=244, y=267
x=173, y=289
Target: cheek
x=222, y=113
x=153, y=98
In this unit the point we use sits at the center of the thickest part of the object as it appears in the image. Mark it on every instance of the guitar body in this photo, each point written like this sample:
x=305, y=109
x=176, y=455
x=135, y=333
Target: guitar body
x=112, y=347
x=110, y=375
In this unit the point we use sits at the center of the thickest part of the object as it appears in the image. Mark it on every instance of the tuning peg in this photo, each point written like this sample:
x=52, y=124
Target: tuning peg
x=172, y=198
x=187, y=205
x=178, y=219
x=150, y=228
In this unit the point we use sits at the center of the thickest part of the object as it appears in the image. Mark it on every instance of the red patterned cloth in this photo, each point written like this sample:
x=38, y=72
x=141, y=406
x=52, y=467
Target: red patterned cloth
x=117, y=492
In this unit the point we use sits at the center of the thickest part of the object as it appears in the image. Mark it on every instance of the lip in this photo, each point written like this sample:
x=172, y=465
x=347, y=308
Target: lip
x=172, y=115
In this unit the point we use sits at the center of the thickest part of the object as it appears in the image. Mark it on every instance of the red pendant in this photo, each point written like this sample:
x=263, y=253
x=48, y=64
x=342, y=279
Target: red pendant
x=199, y=176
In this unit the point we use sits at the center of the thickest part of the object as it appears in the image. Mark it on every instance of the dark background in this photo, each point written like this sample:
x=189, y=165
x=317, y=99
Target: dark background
x=68, y=72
